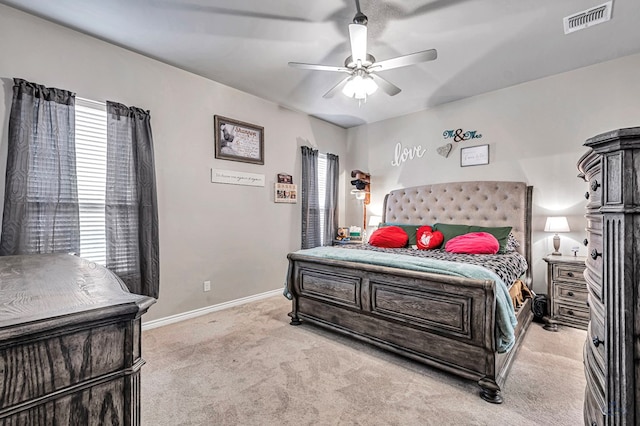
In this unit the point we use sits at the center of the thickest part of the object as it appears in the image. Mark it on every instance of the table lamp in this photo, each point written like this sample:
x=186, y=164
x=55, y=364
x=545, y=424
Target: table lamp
x=556, y=224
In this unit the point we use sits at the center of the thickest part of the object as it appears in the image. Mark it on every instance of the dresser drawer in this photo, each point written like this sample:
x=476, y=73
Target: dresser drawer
x=594, y=223
x=52, y=364
x=594, y=253
x=594, y=284
x=594, y=189
x=596, y=317
x=599, y=351
x=594, y=245
x=594, y=376
x=592, y=414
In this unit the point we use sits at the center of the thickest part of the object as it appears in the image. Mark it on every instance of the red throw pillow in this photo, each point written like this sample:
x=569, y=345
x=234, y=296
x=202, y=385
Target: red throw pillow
x=473, y=243
x=427, y=239
x=389, y=237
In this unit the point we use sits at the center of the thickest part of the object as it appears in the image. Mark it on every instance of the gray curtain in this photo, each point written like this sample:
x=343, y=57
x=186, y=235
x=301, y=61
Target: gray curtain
x=331, y=199
x=310, y=204
x=41, y=197
x=131, y=203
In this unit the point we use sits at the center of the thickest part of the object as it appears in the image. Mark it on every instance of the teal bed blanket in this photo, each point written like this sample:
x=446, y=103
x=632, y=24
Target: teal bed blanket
x=505, y=317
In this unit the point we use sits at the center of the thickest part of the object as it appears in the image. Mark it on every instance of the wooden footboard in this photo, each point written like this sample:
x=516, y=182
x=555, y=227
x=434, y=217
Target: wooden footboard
x=442, y=321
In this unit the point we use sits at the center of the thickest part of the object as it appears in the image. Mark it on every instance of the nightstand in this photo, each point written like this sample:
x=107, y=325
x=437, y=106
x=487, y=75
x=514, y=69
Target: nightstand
x=566, y=293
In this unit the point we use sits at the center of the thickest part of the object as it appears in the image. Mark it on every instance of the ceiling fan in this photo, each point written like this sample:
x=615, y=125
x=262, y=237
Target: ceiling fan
x=362, y=67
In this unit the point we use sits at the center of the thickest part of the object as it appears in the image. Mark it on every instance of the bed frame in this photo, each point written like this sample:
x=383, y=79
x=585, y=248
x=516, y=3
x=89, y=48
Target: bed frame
x=442, y=321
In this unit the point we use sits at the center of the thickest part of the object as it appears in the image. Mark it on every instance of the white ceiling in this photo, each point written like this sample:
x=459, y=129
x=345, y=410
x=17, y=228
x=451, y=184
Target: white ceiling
x=482, y=45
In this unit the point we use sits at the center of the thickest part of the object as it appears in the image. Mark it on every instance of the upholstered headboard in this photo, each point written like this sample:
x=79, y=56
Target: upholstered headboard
x=482, y=203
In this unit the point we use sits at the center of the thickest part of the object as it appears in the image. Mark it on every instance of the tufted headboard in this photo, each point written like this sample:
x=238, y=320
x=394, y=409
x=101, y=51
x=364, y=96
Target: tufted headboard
x=482, y=203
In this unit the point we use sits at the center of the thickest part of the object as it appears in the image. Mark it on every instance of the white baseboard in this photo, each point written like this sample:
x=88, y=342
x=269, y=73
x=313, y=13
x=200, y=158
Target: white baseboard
x=206, y=310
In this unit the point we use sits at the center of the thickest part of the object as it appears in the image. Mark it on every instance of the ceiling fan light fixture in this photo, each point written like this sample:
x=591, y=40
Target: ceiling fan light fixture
x=362, y=67
x=359, y=86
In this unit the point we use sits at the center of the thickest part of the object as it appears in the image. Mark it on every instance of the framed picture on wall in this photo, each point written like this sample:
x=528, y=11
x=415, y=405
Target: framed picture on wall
x=286, y=193
x=238, y=141
x=474, y=155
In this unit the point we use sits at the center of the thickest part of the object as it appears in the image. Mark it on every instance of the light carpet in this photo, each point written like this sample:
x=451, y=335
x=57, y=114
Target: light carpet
x=247, y=366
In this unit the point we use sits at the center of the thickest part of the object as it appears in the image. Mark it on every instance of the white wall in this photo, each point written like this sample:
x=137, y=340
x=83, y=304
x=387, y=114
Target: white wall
x=535, y=133
x=235, y=236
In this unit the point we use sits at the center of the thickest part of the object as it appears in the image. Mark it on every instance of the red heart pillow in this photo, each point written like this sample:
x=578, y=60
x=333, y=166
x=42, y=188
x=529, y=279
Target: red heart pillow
x=389, y=237
x=427, y=238
x=473, y=243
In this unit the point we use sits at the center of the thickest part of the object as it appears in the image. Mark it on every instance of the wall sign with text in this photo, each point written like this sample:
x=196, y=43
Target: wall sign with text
x=232, y=177
x=457, y=136
x=403, y=154
x=460, y=135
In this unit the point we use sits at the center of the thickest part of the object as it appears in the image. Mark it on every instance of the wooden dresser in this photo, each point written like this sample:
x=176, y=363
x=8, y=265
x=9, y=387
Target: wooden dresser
x=612, y=351
x=69, y=343
x=567, y=292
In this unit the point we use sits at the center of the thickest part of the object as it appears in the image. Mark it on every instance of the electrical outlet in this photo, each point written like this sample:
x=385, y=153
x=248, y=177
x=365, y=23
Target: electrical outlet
x=206, y=286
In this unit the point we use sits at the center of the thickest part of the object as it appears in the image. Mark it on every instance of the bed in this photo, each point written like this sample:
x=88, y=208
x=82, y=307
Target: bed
x=441, y=319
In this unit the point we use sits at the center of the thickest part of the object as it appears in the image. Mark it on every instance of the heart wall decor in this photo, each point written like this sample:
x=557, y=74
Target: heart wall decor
x=445, y=150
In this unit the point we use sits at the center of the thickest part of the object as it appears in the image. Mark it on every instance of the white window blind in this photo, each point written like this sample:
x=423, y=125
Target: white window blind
x=322, y=192
x=91, y=168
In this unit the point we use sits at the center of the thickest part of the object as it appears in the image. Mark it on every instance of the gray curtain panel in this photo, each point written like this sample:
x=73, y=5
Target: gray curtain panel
x=131, y=201
x=310, y=204
x=41, y=198
x=331, y=200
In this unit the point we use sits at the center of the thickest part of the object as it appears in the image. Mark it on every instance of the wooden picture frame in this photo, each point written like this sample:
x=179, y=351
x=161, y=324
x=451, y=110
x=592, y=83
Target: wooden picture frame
x=238, y=141
x=474, y=155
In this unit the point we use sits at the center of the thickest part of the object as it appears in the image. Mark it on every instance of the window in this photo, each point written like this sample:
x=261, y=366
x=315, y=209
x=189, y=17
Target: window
x=322, y=193
x=91, y=169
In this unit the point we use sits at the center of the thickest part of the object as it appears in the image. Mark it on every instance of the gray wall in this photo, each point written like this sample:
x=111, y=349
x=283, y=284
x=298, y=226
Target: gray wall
x=535, y=133
x=235, y=236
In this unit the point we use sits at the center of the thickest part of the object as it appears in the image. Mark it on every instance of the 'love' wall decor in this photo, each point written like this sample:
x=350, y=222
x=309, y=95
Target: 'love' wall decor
x=403, y=154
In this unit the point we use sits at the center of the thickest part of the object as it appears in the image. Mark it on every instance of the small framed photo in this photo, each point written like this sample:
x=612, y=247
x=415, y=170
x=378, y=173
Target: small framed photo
x=238, y=141
x=474, y=155
x=284, y=178
x=286, y=193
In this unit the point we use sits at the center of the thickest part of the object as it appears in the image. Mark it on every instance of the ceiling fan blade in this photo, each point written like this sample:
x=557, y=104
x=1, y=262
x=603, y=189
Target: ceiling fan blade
x=389, y=88
x=337, y=88
x=403, y=61
x=317, y=67
x=358, y=38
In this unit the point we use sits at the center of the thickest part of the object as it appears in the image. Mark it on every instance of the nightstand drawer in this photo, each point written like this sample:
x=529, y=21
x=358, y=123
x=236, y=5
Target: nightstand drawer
x=569, y=273
x=572, y=293
x=573, y=314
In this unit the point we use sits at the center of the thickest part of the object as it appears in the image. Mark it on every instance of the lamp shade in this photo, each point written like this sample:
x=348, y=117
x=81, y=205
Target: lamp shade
x=374, y=221
x=557, y=224
x=360, y=194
